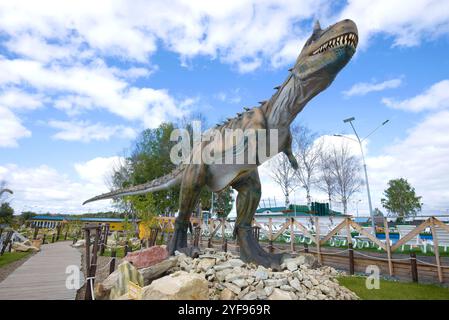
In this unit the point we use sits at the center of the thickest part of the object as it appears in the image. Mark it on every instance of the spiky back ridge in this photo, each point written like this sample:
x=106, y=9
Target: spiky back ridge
x=264, y=105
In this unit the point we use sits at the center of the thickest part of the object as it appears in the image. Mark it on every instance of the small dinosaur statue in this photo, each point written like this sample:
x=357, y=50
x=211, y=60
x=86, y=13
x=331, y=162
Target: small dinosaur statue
x=325, y=53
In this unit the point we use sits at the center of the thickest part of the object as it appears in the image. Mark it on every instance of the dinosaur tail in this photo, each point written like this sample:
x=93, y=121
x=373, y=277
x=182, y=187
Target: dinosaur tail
x=165, y=182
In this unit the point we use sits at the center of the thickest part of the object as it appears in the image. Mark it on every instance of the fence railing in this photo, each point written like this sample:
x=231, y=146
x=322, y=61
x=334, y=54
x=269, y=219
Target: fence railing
x=289, y=228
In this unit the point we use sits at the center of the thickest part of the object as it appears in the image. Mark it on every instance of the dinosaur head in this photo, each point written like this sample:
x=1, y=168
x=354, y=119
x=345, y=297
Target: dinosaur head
x=327, y=51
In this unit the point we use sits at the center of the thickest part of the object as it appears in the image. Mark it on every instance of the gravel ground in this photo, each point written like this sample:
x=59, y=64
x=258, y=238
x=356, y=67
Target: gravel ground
x=6, y=270
x=101, y=274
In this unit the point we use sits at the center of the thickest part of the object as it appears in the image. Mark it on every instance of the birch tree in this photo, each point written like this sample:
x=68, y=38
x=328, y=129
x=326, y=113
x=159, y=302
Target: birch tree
x=307, y=150
x=326, y=180
x=345, y=169
x=283, y=175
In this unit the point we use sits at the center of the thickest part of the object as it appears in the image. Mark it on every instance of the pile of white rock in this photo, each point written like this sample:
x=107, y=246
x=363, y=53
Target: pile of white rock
x=223, y=276
x=229, y=278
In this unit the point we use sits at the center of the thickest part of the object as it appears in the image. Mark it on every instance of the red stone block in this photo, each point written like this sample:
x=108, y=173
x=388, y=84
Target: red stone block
x=147, y=257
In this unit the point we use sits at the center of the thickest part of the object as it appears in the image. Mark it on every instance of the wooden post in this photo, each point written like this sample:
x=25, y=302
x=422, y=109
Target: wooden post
x=197, y=236
x=93, y=263
x=88, y=295
x=414, y=267
x=223, y=229
x=348, y=231
x=65, y=236
x=126, y=249
x=292, y=235
x=53, y=238
x=351, y=259
x=43, y=239
x=209, y=243
x=317, y=240
x=112, y=265
x=58, y=232
x=387, y=245
x=36, y=231
x=436, y=250
x=225, y=245
x=106, y=234
x=270, y=230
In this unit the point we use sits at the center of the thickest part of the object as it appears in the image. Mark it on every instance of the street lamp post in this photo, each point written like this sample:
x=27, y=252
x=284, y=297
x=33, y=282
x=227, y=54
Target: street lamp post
x=364, y=163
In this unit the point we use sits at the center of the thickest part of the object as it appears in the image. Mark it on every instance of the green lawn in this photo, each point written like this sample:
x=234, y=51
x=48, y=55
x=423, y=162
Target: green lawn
x=392, y=290
x=9, y=257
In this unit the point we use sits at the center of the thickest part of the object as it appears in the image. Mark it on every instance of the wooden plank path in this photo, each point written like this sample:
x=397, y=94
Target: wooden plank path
x=43, y=276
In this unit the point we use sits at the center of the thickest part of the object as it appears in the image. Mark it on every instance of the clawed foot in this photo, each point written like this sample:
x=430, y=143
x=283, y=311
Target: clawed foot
x=179, y=243
x=251, y=251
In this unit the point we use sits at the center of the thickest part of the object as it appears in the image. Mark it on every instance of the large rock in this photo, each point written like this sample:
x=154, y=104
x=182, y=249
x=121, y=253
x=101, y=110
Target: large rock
x=206, y=264
x=279, y=294
x=125, y=273
x=157, y=270
x=147, y=257
x=227, y=294
x=20, y=246
x=177, y=286
x=79, y=243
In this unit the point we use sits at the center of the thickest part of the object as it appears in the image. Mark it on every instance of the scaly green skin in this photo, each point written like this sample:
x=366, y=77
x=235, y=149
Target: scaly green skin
x=323, y=56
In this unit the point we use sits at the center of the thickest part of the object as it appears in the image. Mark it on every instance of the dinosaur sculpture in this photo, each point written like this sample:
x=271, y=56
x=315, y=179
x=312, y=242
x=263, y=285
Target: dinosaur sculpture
x=325, y=53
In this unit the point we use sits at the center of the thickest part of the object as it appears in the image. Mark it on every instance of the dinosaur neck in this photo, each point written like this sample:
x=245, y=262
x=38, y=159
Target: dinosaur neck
x=290, y=99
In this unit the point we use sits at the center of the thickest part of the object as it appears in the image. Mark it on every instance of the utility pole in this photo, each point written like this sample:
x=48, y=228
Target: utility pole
x=364, y=163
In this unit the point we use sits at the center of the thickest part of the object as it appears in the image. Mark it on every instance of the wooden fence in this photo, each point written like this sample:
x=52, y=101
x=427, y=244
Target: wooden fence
x=354, y=260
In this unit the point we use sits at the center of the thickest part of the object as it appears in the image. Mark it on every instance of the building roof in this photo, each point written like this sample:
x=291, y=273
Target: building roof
x=272, y=209
x=292, y=210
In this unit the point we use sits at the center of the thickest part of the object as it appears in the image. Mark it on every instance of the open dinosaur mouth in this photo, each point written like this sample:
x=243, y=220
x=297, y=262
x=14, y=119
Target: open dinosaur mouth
x=346, y=39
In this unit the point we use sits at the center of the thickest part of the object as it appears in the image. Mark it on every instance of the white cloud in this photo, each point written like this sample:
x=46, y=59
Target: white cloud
x=232, y=96
x=421, y=158
x=11, y=129
x=363, y=88
x=243, y=33
x=238, y=32
x=98, y=170
x=434, y=98
x=44, y=189
x=14, y=98
x=92, y=85
x=407, y=22
x=85, y=132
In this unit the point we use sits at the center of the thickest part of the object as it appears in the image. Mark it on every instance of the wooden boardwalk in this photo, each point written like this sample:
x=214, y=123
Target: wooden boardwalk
x=43, y=276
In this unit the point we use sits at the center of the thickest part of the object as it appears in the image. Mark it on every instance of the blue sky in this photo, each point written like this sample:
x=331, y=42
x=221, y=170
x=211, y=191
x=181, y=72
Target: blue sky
x=79, y=80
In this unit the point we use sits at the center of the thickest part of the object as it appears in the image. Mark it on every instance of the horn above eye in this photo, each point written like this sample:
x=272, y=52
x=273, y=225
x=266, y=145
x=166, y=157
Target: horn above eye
x=316, y=27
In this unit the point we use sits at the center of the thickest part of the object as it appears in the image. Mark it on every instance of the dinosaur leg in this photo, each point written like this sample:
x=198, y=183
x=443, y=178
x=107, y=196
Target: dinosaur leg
x=249, y=192
x=192, y=183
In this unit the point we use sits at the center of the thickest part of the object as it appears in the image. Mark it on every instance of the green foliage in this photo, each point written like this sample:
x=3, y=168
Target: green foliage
x=25, y=216
x=400, y=199
x=6, y=213
x=377, y=213
x=223, y=202
x=393, y=290
x=150, y=159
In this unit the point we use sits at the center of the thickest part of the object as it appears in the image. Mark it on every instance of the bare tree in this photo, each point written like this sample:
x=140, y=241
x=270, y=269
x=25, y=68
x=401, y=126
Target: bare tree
x=326, y=180
x=284, y=175
x=307, y=150
x=345, y=169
